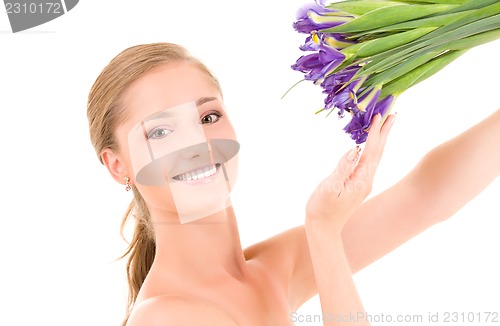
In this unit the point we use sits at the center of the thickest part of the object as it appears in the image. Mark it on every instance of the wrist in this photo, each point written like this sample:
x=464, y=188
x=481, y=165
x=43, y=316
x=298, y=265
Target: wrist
x=317, y=225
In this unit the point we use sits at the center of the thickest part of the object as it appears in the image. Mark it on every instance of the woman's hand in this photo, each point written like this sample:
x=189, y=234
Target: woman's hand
x=328, y=209
x=340, y=194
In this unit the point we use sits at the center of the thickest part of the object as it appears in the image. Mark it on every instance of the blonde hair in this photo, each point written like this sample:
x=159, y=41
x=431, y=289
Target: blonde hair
x=105, y=111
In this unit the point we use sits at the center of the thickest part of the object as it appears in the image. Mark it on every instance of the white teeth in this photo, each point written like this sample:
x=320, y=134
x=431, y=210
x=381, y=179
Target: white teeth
x=198, y=174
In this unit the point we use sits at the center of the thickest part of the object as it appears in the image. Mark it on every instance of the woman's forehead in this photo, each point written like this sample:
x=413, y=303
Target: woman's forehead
x=169, y=86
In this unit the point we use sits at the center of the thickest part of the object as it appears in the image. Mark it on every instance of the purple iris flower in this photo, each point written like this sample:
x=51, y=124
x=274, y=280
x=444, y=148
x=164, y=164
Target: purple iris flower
x=309, y=45
x=305, y=25
x=341, y=100
x=341, y=90
x=316, y=65
x=334, y=40
x=334, y=81
x=360, y=122
x=341, y=87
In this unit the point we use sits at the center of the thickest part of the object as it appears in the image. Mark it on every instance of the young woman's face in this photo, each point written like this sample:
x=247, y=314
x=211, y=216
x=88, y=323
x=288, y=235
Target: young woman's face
x=178, y=146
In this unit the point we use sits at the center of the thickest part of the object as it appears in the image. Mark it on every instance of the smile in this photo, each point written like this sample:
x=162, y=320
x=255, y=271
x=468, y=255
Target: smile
x=199, y=174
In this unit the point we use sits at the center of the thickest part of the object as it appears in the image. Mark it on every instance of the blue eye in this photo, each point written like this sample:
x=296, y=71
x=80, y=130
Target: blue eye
x=158, y=133
x=211, y=117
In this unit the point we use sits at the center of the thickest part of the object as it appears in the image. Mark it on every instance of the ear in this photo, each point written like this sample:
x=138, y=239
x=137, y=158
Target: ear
x=115, y=165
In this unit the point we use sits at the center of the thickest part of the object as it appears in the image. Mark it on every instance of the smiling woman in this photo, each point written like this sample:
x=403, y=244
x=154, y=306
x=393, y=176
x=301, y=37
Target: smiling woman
x=61, y=210
x=158, y=123
x=125, y=116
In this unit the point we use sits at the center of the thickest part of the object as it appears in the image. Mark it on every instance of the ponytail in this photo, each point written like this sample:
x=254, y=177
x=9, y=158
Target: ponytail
x=141, y=249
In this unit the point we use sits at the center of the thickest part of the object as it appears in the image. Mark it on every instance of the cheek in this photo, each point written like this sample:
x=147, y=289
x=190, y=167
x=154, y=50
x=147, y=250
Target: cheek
x=221, y=130
x=232, y=171
x=157, y=198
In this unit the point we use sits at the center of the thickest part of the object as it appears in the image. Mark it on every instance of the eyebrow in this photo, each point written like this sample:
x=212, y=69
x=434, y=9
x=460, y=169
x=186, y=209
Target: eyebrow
x=203, y=100
x=167, y=114
x=154, y=116
x=158, y=115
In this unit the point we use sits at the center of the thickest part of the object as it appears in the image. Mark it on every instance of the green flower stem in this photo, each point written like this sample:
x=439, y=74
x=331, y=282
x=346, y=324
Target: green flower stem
x=386, y=16
x=379, y=45
x=400, y=53
x=402, y=68
x=288, y=90
x=413, y=62
x=475, y=40
x=472, y=17
x=436, y=21
x=457, y=2
x=420, y=46
x=360, y=7
x=474, y=4
x=419, y=74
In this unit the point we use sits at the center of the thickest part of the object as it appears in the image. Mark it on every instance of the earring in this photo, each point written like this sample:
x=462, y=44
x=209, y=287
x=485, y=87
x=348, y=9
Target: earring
x=127, y=184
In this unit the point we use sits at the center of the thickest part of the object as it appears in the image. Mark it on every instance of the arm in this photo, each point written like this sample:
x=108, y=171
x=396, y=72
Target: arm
x=328, y=209
x=337, y=291
x=446, y=179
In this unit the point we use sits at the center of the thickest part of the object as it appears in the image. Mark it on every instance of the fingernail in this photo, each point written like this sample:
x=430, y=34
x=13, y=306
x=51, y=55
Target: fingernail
x=354, y=154
x=394, y=118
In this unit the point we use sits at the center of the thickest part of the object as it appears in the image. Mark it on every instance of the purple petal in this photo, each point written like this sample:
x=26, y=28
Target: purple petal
x=305, y=25
x=361, y=121
x=302, y=11
x=309, y=45
x=339, y=78
x=317, y=65
x=307, y=62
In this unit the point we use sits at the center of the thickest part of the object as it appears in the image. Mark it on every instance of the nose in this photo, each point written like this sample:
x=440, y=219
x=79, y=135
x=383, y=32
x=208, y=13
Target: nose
x=199, y=150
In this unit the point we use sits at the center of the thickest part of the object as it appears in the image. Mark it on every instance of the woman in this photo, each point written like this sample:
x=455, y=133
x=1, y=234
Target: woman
x=157, y=121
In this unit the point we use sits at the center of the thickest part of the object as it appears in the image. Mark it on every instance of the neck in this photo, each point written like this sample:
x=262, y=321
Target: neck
x=204, y=249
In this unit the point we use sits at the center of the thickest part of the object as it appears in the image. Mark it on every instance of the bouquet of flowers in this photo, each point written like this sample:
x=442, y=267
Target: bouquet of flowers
x=364, y=53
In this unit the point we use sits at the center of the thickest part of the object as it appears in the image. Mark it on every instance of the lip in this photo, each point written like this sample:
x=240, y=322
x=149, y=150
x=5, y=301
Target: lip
x=202, y=180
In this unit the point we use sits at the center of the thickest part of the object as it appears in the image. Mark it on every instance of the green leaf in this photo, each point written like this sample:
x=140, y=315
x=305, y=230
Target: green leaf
x=457, y=2
x=383, y=44
x=300, y=81
x=423, y=44
x=387, y=16
x=419, y=74
x=475, y=40
x=474, y=4
x=412, y=60
x=360, y=7
x=436, y=21
x=389, y=58
x=402, y=68
x=472, y=16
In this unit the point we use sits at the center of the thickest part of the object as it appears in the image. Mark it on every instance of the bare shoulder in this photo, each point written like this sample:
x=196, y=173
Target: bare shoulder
x=286, y=256
x=279, y=249
x=178, y=310
x=282, y=254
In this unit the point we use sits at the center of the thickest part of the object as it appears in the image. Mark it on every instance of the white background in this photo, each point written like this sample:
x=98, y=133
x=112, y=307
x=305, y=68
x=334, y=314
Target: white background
x=60, y=211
